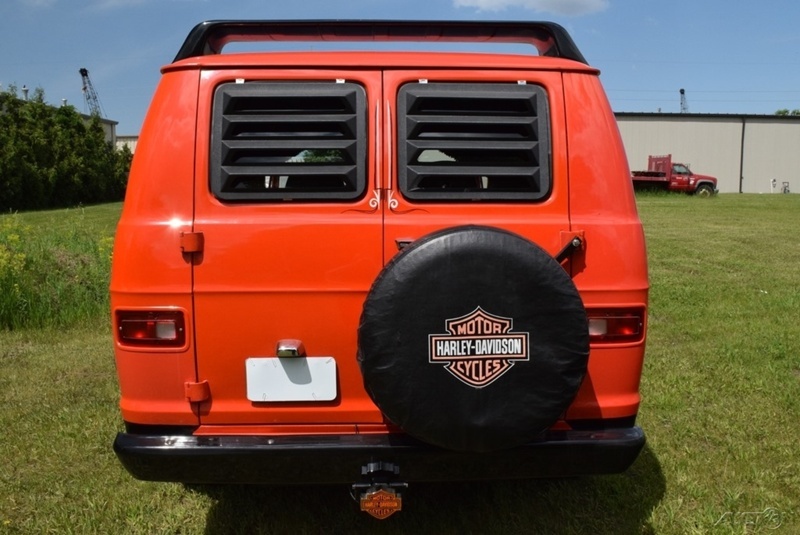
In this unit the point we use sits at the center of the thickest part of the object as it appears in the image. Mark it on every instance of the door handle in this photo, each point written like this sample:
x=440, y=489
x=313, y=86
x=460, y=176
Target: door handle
x=290, y=347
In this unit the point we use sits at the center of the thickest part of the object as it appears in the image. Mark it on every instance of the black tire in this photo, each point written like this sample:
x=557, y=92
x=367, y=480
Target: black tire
x=474, y=277
x=704, y=190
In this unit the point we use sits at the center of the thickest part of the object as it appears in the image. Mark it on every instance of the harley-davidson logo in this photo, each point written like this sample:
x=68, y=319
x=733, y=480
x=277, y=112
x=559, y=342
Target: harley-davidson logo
x=381, y=503
x=479, y=348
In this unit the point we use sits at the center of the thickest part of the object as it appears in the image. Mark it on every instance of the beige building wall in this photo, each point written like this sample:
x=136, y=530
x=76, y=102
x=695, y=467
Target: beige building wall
x=709, y=146
x=744, y=152
x=129, y=141
x=771, y=151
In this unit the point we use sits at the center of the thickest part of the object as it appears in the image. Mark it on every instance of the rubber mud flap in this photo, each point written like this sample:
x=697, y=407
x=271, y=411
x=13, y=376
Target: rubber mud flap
x=473, y=339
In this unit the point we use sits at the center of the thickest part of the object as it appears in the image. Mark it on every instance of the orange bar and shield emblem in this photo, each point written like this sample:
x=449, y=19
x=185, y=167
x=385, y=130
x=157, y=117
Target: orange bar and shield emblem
x=381, y=503
x=479, y=347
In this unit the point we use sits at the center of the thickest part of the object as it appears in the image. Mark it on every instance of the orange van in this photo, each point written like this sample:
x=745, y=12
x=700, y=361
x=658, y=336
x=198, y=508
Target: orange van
x=378, y=266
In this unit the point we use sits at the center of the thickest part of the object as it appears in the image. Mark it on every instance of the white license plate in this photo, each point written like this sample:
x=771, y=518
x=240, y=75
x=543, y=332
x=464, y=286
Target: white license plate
x=291, y=379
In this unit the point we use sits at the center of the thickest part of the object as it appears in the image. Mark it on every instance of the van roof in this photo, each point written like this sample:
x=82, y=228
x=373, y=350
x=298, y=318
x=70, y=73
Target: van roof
x=546, y=38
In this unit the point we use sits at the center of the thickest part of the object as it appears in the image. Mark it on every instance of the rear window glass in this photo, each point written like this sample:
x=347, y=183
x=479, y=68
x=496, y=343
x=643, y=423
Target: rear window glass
x=274, y=141
x=473, y=142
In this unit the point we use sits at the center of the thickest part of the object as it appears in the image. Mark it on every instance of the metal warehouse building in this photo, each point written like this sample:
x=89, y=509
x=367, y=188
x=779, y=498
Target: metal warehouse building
x=747, y=153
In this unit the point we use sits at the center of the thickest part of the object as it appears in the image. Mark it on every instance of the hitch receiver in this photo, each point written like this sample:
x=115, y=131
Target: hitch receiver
x=378, y=491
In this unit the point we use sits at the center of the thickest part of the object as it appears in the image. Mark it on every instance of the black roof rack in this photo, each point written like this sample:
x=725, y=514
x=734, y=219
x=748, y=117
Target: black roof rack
x=550, y=39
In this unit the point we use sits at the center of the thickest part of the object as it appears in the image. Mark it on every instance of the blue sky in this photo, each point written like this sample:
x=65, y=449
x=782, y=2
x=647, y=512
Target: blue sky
x=730, y=57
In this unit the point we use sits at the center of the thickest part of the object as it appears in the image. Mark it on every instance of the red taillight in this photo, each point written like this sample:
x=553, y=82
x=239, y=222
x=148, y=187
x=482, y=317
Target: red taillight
x=151, y=328
x=616, y=325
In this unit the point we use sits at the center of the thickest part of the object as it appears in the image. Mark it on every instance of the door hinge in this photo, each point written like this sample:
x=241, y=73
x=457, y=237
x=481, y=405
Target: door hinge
x=192, y=242
x=197, y=392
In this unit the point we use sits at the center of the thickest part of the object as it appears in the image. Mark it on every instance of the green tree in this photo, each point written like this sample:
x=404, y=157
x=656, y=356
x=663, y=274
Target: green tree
x=12, y=155
x=70, y=130
x=55, y=157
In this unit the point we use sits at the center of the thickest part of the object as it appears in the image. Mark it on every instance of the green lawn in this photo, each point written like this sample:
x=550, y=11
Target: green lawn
x=721, y=387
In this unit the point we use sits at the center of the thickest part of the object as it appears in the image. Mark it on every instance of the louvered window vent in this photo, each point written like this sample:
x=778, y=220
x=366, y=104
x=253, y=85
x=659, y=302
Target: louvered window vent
x=473, y=142
x=274, y=141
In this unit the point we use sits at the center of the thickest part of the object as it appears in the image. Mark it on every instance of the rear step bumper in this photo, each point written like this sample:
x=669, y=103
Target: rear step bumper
x=338, y=458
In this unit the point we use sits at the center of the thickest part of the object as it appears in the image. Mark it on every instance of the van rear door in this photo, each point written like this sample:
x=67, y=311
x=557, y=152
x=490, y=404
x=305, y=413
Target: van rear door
x=285, y=201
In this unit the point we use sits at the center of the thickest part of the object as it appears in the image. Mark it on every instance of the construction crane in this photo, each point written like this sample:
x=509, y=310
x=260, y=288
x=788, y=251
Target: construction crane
x=90, y=95
x=684, y=104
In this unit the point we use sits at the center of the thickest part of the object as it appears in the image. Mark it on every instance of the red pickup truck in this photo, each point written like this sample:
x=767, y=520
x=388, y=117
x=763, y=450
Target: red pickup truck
x=663, y=173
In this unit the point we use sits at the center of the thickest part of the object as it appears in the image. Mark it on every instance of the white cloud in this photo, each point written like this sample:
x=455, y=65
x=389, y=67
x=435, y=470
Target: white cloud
x=557, y=7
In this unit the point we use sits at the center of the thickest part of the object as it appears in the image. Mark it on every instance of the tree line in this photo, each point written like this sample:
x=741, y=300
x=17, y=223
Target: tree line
x=53, y=157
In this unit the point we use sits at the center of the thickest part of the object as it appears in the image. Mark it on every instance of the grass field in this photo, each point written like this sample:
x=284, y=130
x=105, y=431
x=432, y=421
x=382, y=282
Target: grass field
x=721, y=391
x=54, y=266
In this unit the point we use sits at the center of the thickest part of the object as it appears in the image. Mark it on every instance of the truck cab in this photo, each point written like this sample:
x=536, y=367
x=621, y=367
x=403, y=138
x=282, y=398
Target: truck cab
x=683, y=179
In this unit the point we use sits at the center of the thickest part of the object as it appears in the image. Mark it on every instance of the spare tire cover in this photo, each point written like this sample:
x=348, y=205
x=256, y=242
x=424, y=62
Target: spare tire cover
x=473, y=339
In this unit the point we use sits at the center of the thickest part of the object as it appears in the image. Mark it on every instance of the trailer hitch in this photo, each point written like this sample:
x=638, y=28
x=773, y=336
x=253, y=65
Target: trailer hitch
x=378, y=491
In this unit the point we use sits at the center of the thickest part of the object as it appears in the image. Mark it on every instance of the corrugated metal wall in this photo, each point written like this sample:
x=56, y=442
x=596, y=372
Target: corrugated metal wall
x=751, y=149
x=771, y=151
